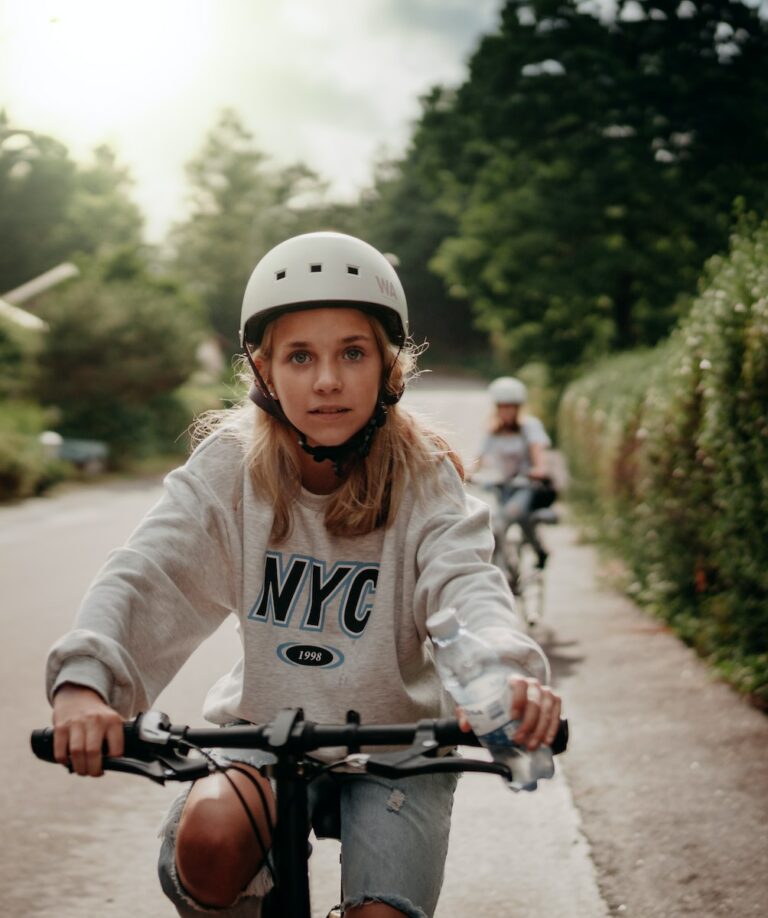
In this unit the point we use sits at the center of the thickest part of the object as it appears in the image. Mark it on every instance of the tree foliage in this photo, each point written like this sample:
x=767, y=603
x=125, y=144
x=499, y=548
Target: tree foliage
x=18, y=350
x=239, y=210
x=52, y=209
x=26, y=468
x=120, y=343
x=670, y=447
x=591, y=167
x=100, y=216
x=403, y=214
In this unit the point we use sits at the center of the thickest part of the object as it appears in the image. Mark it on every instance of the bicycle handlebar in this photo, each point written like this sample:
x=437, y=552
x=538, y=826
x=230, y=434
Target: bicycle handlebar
x=156, y=749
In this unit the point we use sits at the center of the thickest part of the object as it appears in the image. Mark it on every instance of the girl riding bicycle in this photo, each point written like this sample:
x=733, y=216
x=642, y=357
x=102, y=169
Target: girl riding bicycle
x=515, y=449
x=332, y=524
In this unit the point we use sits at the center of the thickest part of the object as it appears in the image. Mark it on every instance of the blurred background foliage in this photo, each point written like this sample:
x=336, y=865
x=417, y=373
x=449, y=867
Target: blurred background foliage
x=120, y=344
x=668, y=453
x=552, y=217
x=52, y=208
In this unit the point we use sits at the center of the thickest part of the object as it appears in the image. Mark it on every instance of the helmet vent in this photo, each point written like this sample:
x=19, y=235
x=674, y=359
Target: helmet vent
x=279, y=275
x=353, y=269
x=315, y=269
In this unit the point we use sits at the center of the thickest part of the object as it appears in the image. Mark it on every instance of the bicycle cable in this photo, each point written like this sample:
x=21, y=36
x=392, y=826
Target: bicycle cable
x=328, y=768
x=234, y=766
x=222, y=769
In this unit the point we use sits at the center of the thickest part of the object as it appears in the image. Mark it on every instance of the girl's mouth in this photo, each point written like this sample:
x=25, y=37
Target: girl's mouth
x=328, y=411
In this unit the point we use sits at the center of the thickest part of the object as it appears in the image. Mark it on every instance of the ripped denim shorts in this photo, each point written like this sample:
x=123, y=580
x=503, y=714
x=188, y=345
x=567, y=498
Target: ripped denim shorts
x=394, y=841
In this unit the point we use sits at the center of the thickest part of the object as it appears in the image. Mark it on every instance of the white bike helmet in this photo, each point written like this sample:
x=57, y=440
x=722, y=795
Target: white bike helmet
x=320, y=270
x=507, y=390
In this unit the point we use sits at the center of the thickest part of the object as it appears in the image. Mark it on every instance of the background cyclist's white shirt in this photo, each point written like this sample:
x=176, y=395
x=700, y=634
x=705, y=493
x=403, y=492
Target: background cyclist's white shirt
x=327, y=624
x=508, y=454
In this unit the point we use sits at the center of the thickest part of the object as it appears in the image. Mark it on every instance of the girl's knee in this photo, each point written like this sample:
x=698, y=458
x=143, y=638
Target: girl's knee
x=207, y=859
x=217, y=852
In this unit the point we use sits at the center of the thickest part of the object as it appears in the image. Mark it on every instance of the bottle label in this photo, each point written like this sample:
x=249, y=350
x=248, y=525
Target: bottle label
x=490, y=719
x=501, y=736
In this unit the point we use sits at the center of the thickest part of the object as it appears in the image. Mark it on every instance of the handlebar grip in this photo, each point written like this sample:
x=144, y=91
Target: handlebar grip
x=448, y=733
x=42, y=744
x=42, y=741
x=560, y=742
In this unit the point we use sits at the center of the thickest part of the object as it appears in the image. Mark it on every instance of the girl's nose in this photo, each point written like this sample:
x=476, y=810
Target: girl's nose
x=327, y=379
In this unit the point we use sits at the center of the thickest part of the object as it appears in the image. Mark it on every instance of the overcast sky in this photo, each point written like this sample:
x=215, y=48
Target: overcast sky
x=334, y=83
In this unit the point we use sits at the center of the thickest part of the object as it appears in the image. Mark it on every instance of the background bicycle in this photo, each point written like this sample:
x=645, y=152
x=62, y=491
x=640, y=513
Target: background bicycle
x=520, y=545
x=527, y=577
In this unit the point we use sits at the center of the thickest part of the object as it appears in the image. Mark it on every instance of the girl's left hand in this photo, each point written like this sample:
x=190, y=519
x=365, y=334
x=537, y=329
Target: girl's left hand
x=536, y=706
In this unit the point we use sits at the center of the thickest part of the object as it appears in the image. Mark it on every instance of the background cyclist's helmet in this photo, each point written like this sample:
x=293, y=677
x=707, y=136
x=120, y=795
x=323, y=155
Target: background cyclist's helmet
x=321, y=270
x=507, y=390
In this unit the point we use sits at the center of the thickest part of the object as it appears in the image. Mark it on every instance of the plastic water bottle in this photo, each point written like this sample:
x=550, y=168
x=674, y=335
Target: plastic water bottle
x=478, y=681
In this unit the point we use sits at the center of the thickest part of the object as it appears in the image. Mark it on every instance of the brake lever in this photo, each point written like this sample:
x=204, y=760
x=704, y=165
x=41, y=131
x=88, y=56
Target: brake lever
x=153, y=729
x=394, y=765
x=165, y=767
x=420, y=758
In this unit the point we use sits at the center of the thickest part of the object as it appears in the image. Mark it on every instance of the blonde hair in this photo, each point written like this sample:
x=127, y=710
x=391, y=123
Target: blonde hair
x=370, y=492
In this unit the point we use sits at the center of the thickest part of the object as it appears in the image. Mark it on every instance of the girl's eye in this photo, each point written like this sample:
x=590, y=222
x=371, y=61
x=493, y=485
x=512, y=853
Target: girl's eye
x=354, y=353
x=299, y=357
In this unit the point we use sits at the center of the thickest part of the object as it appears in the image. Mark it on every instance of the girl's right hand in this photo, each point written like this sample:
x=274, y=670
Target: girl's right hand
x=82, y=721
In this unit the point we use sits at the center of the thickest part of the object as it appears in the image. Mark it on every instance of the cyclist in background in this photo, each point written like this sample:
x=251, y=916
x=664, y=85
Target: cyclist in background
x=331, y=523
x=515, y=449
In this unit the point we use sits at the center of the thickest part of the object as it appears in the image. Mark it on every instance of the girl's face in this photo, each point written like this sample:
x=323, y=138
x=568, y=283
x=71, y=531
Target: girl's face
x=508, y=413
x=326, y=370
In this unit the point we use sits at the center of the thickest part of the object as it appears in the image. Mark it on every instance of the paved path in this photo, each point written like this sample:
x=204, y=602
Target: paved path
x=660, y=807
x=668, y=766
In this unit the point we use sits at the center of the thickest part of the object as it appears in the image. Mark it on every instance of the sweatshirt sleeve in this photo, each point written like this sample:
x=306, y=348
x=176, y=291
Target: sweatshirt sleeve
x=454, y=548
x=161, y=594
x=535, y=431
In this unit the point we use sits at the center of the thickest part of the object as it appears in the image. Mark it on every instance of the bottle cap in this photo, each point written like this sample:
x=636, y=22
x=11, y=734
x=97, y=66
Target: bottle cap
x=443, y=624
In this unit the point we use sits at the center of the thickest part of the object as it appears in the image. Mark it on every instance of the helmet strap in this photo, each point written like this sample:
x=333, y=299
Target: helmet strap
x=358, y=445
x=260, y=394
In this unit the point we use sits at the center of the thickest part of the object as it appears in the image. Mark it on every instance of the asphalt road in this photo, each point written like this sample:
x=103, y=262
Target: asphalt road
x=660, y=807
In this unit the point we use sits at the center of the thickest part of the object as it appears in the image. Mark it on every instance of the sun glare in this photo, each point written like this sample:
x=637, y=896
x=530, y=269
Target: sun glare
x=150, y=78
x=86, y=60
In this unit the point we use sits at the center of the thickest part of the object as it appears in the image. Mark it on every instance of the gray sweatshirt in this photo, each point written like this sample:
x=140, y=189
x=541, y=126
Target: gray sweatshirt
x=509, y=454
x=326, y=624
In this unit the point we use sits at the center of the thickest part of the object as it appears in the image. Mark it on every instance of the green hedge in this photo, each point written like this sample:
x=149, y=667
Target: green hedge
x=18, y=351
x=25, y=466
x=668, y=453
x=114, y=360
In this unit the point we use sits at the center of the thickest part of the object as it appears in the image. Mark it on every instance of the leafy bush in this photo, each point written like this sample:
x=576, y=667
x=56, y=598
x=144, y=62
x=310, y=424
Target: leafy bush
x=669, y=451
x=602, y=410
x=116, y=354
x=25, y=466
x=18, y=348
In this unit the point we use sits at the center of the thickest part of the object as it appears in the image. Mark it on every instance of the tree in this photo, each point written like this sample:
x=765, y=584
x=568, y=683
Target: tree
x=595, y=167
x=120, y=343
x=18, y=351
x=36, y=185
x=101, y=216
x=52, y=209
x=404, y=214
x=240, y=209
